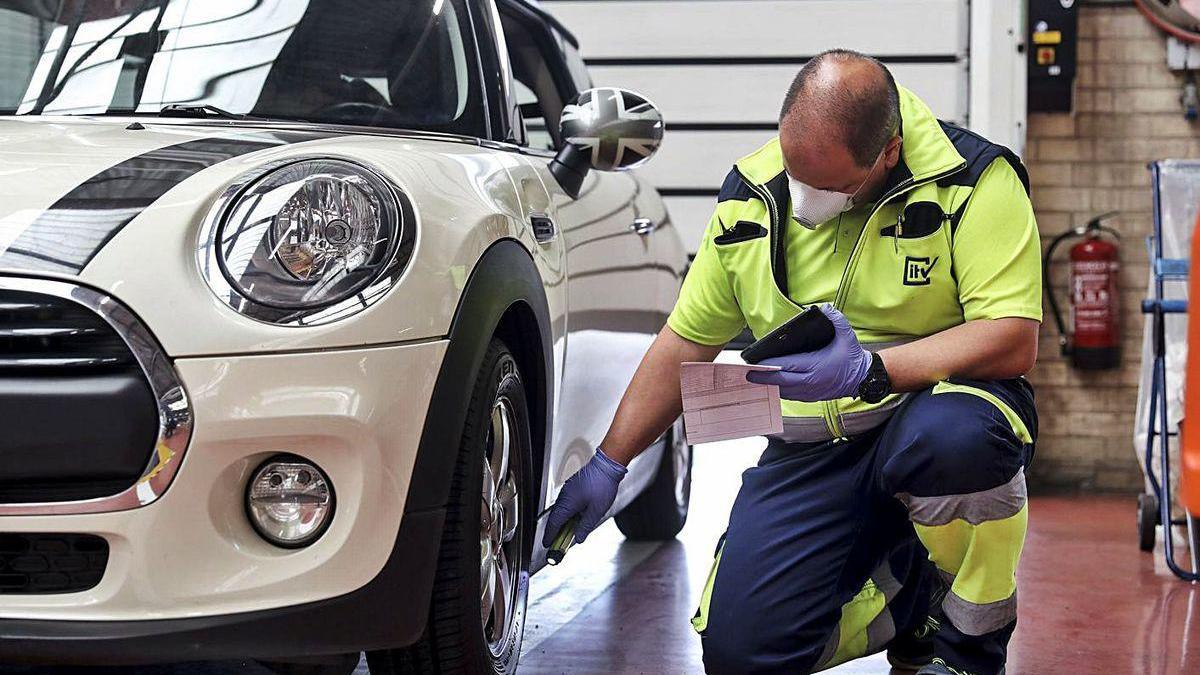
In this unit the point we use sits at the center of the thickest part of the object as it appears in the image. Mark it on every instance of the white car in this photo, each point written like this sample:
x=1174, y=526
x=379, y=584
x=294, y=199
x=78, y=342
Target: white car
x=307, y=311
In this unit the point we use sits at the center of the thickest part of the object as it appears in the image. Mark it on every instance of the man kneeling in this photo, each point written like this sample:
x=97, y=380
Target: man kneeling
x=891, y=512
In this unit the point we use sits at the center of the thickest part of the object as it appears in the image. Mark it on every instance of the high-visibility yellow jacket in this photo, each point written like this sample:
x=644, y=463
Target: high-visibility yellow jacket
x=951, y=239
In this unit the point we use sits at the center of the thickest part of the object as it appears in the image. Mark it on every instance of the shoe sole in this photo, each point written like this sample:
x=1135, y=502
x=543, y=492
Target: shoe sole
x=906, y=665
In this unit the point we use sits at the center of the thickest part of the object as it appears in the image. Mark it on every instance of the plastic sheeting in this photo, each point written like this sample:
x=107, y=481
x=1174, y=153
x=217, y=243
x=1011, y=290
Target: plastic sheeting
x=1179, y=199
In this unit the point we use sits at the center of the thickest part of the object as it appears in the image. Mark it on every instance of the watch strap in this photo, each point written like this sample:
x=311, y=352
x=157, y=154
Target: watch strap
x=877, y=384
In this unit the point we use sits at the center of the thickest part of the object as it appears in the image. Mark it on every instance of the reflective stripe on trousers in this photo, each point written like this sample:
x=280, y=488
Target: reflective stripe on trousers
x=866, y=625
x=975, y=539
x=797, y=586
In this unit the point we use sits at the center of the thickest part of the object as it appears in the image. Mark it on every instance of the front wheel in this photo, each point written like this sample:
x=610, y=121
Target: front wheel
x=661, y=510
x=477, y=612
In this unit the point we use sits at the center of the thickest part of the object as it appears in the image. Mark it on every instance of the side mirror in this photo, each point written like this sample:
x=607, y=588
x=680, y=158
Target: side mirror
x=606, y=129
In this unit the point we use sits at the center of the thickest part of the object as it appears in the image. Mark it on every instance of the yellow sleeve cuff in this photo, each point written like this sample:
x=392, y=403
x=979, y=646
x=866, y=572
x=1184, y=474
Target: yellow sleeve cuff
x=1006, y=312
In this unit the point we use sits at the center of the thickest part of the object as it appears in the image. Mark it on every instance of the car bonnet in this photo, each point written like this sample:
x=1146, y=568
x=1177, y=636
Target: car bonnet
x=68, y=185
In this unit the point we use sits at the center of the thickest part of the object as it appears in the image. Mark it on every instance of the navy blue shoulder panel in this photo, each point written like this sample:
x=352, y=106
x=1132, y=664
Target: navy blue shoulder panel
x=979, y=153
x=734, y=187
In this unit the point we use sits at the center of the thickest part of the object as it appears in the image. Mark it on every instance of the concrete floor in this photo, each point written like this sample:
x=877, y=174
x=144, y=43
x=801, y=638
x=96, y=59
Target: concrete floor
x=1091, y=603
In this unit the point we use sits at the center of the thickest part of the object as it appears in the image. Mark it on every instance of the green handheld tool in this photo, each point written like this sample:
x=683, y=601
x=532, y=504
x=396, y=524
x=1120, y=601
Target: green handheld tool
x=562, y=542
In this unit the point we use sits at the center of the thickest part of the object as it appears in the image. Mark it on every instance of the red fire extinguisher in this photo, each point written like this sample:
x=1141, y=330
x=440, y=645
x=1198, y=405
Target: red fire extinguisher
x=1093, y=343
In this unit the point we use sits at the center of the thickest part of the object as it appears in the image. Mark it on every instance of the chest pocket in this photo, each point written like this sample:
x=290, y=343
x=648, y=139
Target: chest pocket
x=918, y=220
x=919, y=246
x=744, y=230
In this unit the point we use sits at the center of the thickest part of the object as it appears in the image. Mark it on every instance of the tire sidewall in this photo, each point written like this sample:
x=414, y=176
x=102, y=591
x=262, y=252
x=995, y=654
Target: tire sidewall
x=499, y=376
x=657, y=514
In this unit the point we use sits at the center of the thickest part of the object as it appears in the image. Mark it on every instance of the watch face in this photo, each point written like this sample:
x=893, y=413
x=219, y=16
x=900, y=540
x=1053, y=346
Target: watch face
x=877, y=385
x=875, y=389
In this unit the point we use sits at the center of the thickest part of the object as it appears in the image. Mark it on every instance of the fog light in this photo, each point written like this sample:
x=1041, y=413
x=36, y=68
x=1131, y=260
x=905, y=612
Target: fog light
x=290, y=501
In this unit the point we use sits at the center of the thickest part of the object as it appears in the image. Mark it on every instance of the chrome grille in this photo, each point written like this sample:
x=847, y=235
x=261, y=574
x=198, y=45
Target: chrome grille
x=49, y=335
x=96, y=419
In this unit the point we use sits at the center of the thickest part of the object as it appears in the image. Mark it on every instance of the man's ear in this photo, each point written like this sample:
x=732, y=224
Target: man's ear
x=891, y=153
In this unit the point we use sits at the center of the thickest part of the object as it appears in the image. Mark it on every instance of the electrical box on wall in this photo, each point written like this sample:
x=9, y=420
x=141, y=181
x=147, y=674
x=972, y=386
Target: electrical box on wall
x=1053, y=34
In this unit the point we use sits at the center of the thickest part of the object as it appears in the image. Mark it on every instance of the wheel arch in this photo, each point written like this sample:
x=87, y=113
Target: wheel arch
x=520, y=330
x=504, y=297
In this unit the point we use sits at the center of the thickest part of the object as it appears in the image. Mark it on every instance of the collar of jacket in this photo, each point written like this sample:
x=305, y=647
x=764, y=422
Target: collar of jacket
x=926, y=151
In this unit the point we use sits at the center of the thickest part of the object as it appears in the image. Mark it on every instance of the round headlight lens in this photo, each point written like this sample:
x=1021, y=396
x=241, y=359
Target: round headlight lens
x=290, y=501
x=330, y=223
x=309, y=234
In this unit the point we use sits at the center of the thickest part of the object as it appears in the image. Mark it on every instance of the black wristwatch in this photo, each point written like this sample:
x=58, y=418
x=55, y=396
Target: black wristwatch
x=877, y=385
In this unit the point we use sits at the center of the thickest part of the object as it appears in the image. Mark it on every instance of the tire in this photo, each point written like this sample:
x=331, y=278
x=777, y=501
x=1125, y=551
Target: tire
x=658, y=514
x=460, y=636
x=1147, y=511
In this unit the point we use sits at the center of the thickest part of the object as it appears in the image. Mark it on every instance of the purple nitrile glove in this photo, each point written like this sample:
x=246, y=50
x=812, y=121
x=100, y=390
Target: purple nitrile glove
x=590, y=493
x=834, y=371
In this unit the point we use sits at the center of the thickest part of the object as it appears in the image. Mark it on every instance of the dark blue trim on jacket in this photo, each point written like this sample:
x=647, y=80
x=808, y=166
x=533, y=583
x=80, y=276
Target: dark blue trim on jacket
x=979, y=154
x=735, y=188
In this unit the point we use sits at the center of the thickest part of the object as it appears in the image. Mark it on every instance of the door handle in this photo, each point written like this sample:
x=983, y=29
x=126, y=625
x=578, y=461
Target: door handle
x=642, y=226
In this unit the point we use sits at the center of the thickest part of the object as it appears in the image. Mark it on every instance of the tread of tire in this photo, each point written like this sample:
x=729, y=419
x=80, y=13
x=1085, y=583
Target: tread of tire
x=441, y=650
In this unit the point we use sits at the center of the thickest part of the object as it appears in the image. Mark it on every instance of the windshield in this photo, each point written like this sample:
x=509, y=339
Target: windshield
x=388, y=63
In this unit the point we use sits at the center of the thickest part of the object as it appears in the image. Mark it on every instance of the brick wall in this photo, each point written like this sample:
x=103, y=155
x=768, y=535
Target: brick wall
x=1127, y=113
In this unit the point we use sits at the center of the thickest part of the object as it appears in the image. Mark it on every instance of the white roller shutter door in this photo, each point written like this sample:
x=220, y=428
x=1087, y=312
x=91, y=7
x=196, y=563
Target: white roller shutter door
x=719, y=69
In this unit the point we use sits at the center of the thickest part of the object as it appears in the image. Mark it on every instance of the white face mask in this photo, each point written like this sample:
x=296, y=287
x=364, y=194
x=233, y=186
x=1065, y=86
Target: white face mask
x=813, y=207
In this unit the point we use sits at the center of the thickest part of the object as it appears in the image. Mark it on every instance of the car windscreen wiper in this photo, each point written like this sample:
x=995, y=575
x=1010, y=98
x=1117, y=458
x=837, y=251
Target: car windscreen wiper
x=202, y=110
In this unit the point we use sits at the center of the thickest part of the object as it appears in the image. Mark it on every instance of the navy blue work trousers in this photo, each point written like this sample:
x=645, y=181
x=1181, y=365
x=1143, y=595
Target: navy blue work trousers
x=835, y=547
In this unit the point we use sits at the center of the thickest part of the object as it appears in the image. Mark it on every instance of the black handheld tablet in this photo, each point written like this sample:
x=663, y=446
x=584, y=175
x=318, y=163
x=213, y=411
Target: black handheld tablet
x=808, y=331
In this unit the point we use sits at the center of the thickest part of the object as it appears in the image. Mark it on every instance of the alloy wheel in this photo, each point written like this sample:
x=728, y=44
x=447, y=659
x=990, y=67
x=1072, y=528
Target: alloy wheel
x=499, y=519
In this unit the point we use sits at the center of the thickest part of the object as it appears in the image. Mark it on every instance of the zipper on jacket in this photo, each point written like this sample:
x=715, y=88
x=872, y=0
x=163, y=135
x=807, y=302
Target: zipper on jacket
x=772, y=211
x=829, y=410
x=832, y=413
x=905, y=186
x=769, y=201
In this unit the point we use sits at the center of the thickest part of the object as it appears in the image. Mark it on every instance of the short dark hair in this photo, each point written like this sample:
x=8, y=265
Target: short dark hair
x=867, y=116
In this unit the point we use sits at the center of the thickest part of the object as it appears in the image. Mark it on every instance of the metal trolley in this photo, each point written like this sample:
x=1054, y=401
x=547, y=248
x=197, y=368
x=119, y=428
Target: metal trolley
x=1155, y=508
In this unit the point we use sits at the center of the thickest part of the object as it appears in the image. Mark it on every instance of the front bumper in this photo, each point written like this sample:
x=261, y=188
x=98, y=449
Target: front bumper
x=390, y=611
x=189, y=578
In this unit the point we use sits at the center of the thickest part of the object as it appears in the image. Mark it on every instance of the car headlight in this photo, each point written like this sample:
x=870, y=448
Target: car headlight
x=306, y=241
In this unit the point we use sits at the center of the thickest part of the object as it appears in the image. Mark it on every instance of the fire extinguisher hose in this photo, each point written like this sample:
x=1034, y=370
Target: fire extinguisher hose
x=1063, y=338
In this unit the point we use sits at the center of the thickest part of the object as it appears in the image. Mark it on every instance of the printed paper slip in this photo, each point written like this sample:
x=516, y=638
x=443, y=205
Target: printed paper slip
x=719, y=404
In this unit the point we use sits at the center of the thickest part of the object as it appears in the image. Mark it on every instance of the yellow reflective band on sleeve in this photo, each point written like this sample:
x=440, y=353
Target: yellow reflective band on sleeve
x=1014, y=421
x=700, y=621
x=982, y=558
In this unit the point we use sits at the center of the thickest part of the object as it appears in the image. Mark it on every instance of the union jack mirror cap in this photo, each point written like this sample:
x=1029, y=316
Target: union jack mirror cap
x=616, y=128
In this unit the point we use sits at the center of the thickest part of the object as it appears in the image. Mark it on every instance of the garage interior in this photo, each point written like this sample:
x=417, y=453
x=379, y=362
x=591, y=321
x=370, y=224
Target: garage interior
x=1090, y=94
x=1092, y=602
